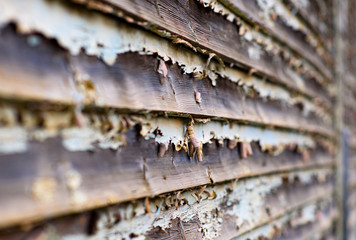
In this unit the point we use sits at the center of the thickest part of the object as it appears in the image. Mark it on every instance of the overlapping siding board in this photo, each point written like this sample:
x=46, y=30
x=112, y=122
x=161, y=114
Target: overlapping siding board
x=168, y=119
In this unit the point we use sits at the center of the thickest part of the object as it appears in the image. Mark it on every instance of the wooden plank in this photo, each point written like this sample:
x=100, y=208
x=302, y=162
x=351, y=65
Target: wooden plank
x=134, y=83
x=278, y=199
x=295, y=225
x=320, y=21
x=179, y=230
x=134, y=171
x=205, y=30
x=295, y=201
x=96, y=150
x=38, y=72
x=294, y=39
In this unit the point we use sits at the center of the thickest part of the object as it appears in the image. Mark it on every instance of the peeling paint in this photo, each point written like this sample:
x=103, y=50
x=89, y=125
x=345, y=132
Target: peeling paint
x=83, y=139
x=242, y=199
x=266, y=198
x=106, y=38
x=99, y=131
x=277, y=7
x=306, y=215
x=251, y=34
x=173, y=131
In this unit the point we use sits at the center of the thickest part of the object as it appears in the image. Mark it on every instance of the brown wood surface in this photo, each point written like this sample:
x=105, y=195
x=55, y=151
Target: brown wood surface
x=321, y=21
x=289, y=197
x=47, y=188
x=134, y=83
x=296, y=40
x=210, y=31
x=179, y=230
x=287, y=229
x=132, y=172
x=296, y=195
x=81, y=224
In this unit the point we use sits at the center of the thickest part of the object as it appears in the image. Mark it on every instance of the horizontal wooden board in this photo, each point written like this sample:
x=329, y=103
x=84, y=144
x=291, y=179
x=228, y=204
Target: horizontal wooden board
x=295, y=225
x=204, y=29
x=270, y=203
x=98, y=106
x=133, y=171
x=79, y=225
x=134, y=83
x=321, y=21
x=299, y=198
x=294, y=39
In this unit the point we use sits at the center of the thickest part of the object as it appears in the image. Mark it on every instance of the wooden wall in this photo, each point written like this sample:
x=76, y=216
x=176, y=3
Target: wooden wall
x=167, y=119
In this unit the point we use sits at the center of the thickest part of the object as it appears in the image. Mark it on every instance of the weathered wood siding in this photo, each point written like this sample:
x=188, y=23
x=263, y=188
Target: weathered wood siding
x=168, y=119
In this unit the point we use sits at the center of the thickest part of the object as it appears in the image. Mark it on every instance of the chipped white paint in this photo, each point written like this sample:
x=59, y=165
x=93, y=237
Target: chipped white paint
x=265, y=41
x=306, y=215
x=245, y=197
x=105, y=38
x=323, y=5
x=268, y=90
x=173, y=131
x=83, y=139
x=276, y=6
x=252, y=200
x=219, y=8
x=93, y=134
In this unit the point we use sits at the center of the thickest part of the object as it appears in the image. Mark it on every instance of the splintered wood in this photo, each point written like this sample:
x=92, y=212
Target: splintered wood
x=167, y=119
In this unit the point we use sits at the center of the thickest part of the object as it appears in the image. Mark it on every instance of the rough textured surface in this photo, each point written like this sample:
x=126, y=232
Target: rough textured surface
x=133, y=82
x=157, y=119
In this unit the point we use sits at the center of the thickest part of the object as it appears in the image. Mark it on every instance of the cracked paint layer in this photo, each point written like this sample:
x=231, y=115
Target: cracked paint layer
x=251, y=34
x=243, y=201
x=106, y=38
x=165, y=131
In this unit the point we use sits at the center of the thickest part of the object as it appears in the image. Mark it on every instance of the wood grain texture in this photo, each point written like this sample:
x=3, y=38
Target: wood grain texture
x=179, y=230
x=207, y=30
x=278, y=202
x=296, y=196
x=133, y=82
x=292, y=226
x=80, y=225
x=321, y=21
x=134, y=171
x=294, y=39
